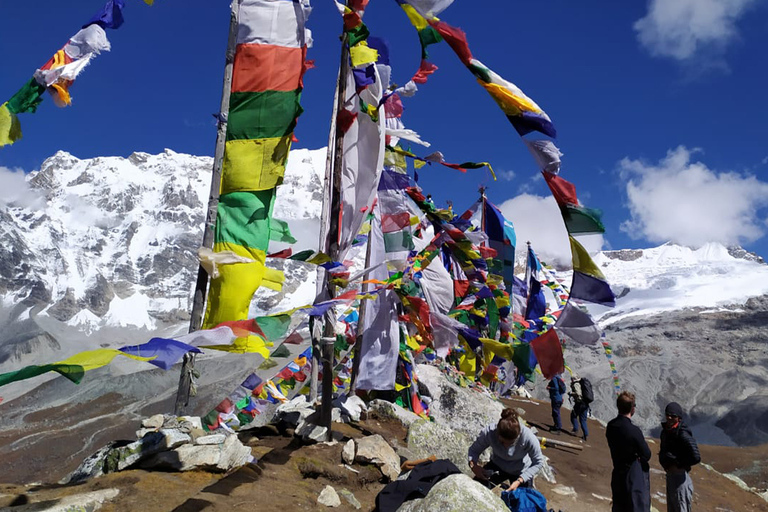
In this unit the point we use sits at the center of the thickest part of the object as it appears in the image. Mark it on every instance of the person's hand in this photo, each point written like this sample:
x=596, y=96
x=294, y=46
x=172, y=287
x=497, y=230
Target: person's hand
x=478, y=470
x=517, y=483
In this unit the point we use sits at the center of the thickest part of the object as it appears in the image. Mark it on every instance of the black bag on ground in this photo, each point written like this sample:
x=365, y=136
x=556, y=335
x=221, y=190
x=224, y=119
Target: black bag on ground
x=418, y=484
x=587, y=394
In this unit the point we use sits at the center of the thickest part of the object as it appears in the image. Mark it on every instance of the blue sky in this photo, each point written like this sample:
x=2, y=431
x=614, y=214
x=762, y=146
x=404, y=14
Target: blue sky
x=660, y=106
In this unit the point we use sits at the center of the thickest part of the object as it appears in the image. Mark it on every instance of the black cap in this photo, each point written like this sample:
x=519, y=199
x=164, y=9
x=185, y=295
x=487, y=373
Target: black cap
x=674, y=409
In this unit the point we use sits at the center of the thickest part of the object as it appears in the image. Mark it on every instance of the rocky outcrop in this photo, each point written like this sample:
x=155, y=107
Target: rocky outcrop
x=426, y=438
x=168, y=443
x=457, y=493
x=460, y=409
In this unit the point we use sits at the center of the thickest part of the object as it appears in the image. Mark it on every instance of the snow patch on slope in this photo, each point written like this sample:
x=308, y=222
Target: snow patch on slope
x=672, y=277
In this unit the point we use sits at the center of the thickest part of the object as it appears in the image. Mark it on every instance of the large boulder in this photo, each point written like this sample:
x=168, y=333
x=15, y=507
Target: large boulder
x=426, y=438
x=456, y=493
x=375, y=450
x=384, y=409
x=465, y=410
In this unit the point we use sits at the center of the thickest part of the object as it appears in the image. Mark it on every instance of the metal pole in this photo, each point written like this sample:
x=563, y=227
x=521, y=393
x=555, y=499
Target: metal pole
x=185, y=380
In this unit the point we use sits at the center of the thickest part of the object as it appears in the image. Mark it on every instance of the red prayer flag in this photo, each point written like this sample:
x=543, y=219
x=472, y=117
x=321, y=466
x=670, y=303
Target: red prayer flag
x=549, y=353
x=345, y=119
x=425, y=69
x=358, y=5
x=285, y=253
x=564, y=191
x=456, y=39
x=395, y=222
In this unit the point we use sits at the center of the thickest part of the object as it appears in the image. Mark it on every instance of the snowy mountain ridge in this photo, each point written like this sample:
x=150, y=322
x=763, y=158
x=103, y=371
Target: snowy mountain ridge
x=672, y=277
x=102, y=253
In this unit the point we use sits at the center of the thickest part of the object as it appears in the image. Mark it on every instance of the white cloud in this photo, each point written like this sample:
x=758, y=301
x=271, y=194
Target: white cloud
x=505, y=175
x=682, y=29
x=15, y=189
x=687, y=203
x=538, y=220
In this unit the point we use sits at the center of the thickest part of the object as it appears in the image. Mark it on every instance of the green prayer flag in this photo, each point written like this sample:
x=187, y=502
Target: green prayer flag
x=72, y=372
x=274, y=327
x=27, y=98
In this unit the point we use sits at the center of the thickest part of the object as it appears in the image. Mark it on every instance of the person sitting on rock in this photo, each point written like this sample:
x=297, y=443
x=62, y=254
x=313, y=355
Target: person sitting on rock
x=515, y=453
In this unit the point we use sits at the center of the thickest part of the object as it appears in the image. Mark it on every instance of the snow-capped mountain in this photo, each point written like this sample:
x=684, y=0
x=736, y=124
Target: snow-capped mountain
x=102, y=252
x=673, y=277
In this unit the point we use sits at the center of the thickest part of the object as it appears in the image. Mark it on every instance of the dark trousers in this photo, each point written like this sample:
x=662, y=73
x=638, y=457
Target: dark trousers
x=579, y=412
x=499, y=476
x=556, y=414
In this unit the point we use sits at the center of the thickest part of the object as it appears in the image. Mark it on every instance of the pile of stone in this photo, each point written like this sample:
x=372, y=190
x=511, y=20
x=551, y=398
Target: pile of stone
x=167, y=443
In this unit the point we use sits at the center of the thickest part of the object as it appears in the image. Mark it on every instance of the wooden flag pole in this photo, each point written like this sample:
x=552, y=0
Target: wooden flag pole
x=195, y=321
x=329, y=241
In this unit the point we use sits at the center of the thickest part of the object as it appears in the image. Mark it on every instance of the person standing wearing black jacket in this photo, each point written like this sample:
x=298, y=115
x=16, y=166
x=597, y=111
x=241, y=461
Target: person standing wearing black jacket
x=630, y=482
x=678, y=453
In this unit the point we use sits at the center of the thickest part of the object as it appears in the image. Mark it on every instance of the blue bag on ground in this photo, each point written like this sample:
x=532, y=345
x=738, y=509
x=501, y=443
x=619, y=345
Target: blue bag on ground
x=524, y=499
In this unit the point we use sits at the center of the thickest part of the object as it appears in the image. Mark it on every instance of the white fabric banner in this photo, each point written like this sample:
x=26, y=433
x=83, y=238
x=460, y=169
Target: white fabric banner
x=546, y=154
x=437, y=284
x=276, y=22
x=362, y=161
x=381, y=333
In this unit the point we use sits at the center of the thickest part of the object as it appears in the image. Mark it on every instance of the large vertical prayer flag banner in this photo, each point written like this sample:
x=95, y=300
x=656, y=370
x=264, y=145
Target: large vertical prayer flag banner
x=264, y=104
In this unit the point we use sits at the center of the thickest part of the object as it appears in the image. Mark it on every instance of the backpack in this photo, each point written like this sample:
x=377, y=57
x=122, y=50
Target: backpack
x=524, y=499
x=587, y=394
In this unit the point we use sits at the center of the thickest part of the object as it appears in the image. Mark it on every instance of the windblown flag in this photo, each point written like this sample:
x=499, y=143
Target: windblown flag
x=73, y=368
x=549, y=354
x=578, y=219
x=537, y=302
x=578, y=325
x=59, y=72
x=589, y=283
x=364, y=133
x=264, y=104
x=502, y=238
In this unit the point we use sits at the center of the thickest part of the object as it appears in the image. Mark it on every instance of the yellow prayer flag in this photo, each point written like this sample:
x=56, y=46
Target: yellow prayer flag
x=92, y=359
x=361, y=54
x=10, y=128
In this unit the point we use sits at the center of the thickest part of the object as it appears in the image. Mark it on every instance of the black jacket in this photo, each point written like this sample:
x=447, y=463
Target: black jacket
x=678, y=447
x=627, y=444
x=630, y=484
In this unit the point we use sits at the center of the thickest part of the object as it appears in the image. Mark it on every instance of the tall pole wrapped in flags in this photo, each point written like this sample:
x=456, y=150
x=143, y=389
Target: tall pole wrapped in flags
x=266, y=60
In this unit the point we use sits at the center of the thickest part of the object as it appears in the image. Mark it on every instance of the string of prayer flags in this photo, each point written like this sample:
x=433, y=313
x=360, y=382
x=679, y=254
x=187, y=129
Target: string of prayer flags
x=609, y=355
x=267, y=80
x=74, y=367
x=437, y=157
x=60, y=71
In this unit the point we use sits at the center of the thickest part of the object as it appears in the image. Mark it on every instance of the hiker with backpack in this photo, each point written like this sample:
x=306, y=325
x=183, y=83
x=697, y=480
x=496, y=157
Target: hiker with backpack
x=677, y=454
x=557, y=389
x=582, y=395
